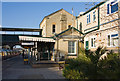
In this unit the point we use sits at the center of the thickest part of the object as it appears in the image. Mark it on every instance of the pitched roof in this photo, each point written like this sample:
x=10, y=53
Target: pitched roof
x=68, y=30
x=54, y=13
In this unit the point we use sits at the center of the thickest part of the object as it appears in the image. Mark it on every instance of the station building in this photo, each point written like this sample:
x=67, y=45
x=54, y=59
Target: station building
x=62, y=34
x=61, y=26
x=101, y=25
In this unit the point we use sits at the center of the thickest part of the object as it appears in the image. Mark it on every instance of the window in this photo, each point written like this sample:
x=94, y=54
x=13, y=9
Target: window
x=80, y=26
x=71, y=47
x=112, y=7
x=94, y=17
x=92, y=42
x=88, y=18
x=86, y=45
x=69, y=26
x=108, y=40
x=53, y=28
x=113, y=40
x=108, y=8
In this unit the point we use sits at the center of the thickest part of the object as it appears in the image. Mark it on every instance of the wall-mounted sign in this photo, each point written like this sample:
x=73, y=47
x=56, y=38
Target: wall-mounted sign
x=28, y=43
x=26, y=47
x=71, y=36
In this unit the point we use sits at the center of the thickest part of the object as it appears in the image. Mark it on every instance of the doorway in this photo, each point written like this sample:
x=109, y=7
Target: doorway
x=87, y=45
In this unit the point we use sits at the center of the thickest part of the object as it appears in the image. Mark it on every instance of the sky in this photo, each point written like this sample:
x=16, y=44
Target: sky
x=30, y=14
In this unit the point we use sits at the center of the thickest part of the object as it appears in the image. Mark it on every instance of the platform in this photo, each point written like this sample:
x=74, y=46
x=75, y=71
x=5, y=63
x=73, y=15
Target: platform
x=45, y=64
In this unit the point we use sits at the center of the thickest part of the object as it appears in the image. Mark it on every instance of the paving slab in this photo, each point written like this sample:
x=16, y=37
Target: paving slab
x=15, y=69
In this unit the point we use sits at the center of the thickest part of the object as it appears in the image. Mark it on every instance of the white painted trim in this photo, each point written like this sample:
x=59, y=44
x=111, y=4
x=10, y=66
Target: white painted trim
x=74, y=50
x=110, y=7
x=85, y=39
x=93, y=41
x=111, y=39
x=107, y=40
x=95, y=15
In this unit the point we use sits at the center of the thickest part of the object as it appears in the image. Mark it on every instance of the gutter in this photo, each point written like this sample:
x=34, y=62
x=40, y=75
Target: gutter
x=77, y=22
x=98, y=18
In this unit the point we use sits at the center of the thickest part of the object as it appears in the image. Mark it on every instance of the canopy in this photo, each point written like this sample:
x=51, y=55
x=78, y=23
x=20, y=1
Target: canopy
x=32, y=38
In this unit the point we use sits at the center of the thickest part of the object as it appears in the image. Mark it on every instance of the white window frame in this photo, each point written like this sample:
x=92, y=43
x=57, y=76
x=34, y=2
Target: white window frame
x=88, y=18
x=94, y=14
x=111, y=41
x=110, y=7
x=94, y=44
x=74, y=48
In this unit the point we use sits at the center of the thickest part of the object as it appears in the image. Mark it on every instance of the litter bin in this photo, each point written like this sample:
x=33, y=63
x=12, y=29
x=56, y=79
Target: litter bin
x=25, y=59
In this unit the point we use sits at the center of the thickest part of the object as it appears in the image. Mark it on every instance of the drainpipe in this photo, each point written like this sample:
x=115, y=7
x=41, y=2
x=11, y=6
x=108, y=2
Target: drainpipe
x=77, y=22
x=119, y=28
x=98, y=18
x=77, y=47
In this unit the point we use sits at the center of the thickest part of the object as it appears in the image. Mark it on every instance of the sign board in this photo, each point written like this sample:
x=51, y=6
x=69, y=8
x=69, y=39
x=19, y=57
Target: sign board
x=30, y=43
x=26, y=47
x=71, y=36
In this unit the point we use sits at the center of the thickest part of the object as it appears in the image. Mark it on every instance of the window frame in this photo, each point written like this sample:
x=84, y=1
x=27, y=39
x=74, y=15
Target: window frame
x=86, y=39
x=70, y=26
x=107, y=40
x=80, y=26
x=71, y=48
x=88, y=18
x=111, y=40
x=94, y=16
x=114, y=5
x=109, y=10
x=94, y=41
x=53, y=28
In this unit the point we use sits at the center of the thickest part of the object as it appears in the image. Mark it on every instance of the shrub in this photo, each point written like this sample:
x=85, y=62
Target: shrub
x=110, y=68
x=88, y=66
x=78, y=68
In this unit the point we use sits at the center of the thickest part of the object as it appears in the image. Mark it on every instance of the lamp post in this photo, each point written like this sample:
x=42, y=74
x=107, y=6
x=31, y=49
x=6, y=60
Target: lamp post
x=119, y=28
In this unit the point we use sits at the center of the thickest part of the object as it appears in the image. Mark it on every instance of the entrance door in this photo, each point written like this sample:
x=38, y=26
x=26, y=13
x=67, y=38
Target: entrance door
x=87, y=45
